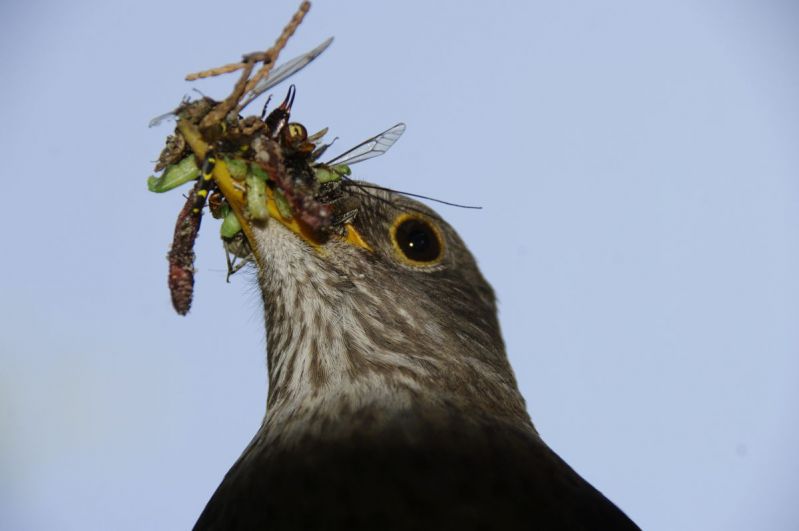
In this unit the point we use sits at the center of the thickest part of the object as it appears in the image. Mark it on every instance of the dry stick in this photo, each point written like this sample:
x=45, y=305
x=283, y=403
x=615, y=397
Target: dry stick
x=220, y=111
x=280, y=43
x=232, y=67
x=268, y=58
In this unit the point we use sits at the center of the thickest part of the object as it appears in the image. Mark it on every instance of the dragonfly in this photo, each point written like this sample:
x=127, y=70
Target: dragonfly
x=277, y=76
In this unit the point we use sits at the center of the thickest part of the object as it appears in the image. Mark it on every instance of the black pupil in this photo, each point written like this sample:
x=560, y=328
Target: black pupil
x=418, y=241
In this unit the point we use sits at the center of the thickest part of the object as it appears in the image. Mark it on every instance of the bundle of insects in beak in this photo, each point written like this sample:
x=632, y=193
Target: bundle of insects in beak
x=248, y=169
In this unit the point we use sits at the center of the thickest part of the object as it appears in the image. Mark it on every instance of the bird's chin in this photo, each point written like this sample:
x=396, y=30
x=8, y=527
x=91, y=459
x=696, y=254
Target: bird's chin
x=278, y=235
x=280, y=248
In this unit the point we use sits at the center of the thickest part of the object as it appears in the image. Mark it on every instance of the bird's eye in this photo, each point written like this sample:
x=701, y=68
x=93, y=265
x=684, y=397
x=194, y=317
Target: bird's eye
x=416, y=240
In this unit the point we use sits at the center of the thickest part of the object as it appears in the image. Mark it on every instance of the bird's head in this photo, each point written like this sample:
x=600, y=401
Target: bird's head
x=392, y=312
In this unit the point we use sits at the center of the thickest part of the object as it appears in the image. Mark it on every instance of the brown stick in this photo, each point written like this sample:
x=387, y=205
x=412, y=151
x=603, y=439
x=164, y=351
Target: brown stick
x=218, y=71
x=218, y=113
x=280, y=43
x=268, y=58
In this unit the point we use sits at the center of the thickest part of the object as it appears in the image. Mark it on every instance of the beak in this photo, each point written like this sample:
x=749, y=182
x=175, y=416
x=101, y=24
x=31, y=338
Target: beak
x=234, y=192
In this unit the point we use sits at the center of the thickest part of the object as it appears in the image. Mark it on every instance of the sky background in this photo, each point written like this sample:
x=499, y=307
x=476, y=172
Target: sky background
x=637, y=163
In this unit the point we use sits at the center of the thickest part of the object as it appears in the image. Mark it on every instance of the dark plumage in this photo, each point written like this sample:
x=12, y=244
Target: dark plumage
x=391, y=403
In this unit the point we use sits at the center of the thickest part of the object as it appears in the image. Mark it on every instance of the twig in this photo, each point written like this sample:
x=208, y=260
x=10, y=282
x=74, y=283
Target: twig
x=268, y=58
x=227, y=69
x=280, y=43
x=220, y=111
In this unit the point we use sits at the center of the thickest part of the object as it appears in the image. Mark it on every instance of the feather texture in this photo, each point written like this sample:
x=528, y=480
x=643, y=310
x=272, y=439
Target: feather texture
x=391, y=402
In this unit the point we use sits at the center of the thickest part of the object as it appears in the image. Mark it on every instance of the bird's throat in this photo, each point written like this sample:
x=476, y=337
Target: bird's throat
x=343, y=359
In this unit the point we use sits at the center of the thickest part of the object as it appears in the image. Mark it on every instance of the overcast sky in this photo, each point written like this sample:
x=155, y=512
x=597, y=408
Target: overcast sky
x=637, y=163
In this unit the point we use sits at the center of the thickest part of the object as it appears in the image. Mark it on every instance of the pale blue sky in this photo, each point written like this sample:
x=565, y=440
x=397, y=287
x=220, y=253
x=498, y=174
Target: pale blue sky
x=638, y=166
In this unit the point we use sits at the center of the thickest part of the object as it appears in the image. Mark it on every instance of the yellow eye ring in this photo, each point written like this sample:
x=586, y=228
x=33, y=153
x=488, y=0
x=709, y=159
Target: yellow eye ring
x=416, y=241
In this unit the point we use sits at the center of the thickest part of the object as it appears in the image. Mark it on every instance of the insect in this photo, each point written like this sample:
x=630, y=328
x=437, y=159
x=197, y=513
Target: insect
x=339, y=167
x=268, y=163
x=181, y=254
x=216, y=133
x=237, y=254
x=285, y=154
x=281, y=155
x=174, y=175
x=371, y=147
x=283, y=72
x=277, y=76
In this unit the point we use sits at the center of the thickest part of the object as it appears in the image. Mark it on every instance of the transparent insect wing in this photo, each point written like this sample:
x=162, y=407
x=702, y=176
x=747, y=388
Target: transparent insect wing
x=158, y=119
x=373, y=147
x=171, y=115
x=285, y=71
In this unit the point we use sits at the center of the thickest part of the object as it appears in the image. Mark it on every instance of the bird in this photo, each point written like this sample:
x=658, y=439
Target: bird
x=391, y=400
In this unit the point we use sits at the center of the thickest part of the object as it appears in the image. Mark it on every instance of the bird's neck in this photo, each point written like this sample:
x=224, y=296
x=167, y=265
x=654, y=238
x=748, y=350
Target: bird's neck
x=340, y=364
x=328, y=377
x=341, y=356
